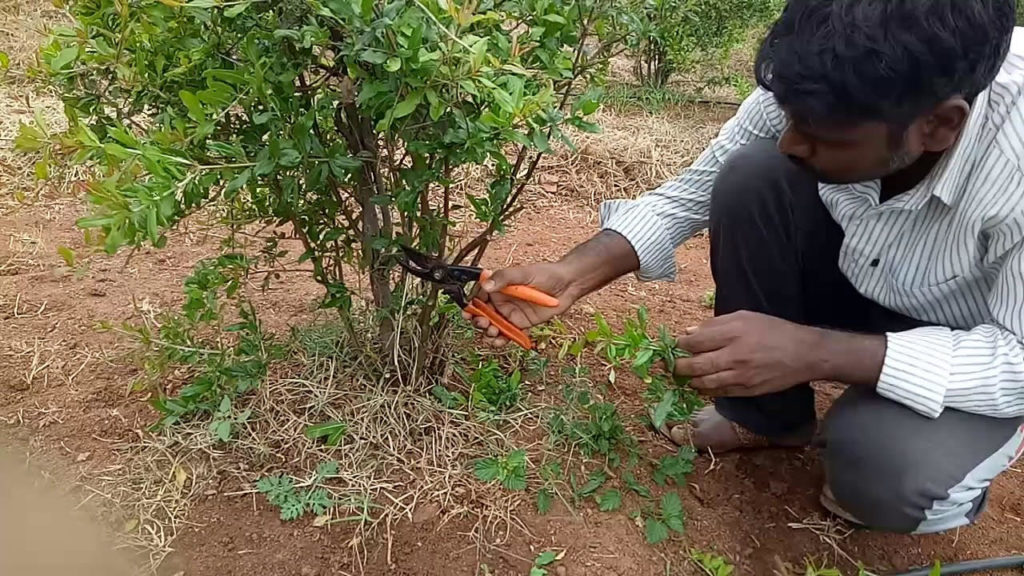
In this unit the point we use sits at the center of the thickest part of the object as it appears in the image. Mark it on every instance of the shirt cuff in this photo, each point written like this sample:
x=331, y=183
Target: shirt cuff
x=645, y=232
x=916, y=369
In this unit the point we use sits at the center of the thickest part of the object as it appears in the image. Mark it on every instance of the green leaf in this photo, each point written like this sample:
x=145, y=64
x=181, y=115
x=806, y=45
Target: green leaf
x=332, y=432
x=67, y=255
x=664, y=408
x=545, y=558
x=41, y=169
x=596, y=480
x=655, y=530
x=373, y=56
x=936, y=569
x=544, y=501
x=222, y=430
x=202, y=4
x=327, y=469
x=289, y=157
x=554, y=18
x=64, y=58
x=535, y=571
x=5, y=60
x=487, y=469
x=609, y=501
x=393, y=64
x=540, y=140
x=237, y=9
x=672, y=511
x=195, y=108
x=409, y=104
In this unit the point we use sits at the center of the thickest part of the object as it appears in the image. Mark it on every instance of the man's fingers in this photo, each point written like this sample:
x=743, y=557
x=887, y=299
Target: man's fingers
x=718, y=384
x=508, y=276
x=704, y=339
x=702, y=364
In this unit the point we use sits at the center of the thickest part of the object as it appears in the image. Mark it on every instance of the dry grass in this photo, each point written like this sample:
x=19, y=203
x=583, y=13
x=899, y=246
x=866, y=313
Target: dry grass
x=634, y=153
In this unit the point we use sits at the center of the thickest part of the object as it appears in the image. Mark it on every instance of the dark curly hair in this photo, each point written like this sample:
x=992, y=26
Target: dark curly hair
x=852, y=61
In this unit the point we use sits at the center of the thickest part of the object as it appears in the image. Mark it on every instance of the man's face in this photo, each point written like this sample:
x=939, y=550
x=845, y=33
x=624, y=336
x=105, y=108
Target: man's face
x=849, y=154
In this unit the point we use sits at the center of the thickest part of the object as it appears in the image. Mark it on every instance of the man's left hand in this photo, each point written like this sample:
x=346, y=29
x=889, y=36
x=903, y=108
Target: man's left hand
x=749, y=354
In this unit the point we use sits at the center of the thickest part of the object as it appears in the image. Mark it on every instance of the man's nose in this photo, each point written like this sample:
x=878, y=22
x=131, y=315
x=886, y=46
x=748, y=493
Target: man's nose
x=794, y=145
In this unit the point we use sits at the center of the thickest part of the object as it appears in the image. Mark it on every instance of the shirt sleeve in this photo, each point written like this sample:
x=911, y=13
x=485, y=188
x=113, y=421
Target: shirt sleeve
x=980, y=371
x=656, y=223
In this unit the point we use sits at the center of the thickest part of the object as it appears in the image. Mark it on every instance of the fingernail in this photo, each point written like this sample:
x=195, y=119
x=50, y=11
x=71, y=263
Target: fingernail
x=691, y=329
x=488, y=285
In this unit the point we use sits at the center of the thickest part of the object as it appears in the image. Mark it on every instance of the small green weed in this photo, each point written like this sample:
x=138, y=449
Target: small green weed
x=712, y=564
x=675, y=467
x=225, y=419
x=672, y=399
x=708, y=300
x=282, y=492
x=669, y=518
x=543, y=560
x=330, y=432
x=551, y=474
x=509, y=470
x=493, y=389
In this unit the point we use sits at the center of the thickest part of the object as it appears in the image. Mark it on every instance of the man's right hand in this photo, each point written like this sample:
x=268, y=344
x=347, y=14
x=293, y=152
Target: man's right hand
x=554, y=278
x=588, y=267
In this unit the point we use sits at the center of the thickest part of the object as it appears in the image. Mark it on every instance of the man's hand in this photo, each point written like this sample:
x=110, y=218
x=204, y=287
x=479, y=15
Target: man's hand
x=551, y=277
x=586, y=268
x=749, y=354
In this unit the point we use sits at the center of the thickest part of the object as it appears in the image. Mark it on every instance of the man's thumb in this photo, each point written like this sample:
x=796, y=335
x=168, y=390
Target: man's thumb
x=499, y=279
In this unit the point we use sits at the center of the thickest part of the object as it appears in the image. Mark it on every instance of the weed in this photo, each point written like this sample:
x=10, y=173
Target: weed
x=672, y=399
x=282, y=492
x=675, y=467
x=225, y=419
x=544, y=559
x=669, y=517
x=609, y=500
x=494, y=390
x=711, y=564
x=509, y=470
x=331, y=432
x=708, y=300
x=551, y=474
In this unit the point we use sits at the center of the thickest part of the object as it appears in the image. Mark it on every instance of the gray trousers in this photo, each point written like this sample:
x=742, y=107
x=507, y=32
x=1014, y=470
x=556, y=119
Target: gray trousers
x=775, y=250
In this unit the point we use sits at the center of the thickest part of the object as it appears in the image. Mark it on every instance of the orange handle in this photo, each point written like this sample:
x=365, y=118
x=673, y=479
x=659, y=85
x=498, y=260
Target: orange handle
x=480, y=308
x=525, y=293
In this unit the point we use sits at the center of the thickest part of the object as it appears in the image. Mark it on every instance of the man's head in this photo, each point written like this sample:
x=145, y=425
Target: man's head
x=870, y=86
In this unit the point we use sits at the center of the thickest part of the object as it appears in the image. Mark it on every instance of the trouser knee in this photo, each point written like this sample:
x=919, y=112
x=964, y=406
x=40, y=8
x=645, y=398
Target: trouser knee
x=897, y=471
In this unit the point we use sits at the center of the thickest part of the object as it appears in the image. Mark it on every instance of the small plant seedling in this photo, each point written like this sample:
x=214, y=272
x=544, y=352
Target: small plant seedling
x=331, y=432
x=494, y=390
x=551, y=474
x=509, y=470
x=544, y=559
x=670, y=517
x=224, y=420
x=711, y=564
x=447, y=398
x=609, y=500
x=281, y=491
x=675, y=467
x=708, y=301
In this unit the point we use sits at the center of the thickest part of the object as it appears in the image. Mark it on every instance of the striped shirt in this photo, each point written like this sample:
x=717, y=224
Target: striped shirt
x=949, y=252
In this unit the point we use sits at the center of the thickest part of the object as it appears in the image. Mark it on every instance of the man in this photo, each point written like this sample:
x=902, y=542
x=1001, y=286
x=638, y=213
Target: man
x=866, y=216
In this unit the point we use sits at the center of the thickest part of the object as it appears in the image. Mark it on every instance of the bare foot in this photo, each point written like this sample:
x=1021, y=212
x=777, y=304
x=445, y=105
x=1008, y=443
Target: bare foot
x=711, y=431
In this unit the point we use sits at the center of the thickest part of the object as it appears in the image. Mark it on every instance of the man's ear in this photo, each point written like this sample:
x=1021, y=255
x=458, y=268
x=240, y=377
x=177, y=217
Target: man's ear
x=941, y=128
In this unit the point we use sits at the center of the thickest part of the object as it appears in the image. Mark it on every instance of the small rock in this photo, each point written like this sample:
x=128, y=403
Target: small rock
x=83, y=457
x=425, y=513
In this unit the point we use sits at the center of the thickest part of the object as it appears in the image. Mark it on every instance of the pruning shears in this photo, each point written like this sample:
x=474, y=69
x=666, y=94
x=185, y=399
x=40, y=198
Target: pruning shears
x=453, y=279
